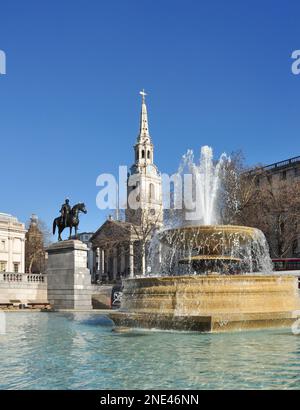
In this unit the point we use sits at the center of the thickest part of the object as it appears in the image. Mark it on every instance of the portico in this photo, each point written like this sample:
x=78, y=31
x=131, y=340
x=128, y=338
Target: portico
x=117, y=248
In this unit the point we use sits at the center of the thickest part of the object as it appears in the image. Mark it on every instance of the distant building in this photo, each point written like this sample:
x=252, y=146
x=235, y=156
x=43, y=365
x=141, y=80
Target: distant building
x=273, y=175
x=119, y=249
x=288, y=169
x=12, y=244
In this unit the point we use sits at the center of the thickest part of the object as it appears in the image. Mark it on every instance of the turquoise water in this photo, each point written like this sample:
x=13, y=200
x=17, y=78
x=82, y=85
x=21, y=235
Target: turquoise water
x=80, y=351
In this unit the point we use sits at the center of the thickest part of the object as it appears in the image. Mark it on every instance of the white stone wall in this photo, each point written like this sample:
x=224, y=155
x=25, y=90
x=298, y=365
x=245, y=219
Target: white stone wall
x=23, y=287
x=12, y=243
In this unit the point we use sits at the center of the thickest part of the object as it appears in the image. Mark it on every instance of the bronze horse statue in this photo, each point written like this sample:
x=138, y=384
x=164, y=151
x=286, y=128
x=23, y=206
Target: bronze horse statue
x=72, y=220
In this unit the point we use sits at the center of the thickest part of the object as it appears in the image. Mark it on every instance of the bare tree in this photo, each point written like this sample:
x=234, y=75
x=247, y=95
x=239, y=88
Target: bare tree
x=37, y=238
x=254, y=198
x=149, y=222
x=239, y=190
x=277, y=214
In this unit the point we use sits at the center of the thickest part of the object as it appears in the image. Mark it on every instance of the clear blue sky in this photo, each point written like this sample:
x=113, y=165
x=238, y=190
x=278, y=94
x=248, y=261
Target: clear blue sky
x=217, y=73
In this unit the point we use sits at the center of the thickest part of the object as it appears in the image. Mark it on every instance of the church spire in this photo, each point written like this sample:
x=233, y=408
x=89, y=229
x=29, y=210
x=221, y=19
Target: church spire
x=144, y=128
x=143, y=147
x=147, y=179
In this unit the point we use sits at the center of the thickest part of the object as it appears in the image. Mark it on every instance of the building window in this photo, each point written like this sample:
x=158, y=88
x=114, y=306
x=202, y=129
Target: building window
x=16, y=267
x=2, y=266
x=143, y=153
x=137, y=155
x=297, y=172
x=148, y=154
x=151, y=192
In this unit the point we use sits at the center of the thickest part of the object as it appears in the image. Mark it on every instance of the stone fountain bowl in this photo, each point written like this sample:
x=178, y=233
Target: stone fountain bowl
x=209, y=303
x=211, y=237
x=214, y=303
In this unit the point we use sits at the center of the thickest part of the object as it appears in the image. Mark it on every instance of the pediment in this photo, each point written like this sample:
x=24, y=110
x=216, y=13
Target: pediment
x=112, y=232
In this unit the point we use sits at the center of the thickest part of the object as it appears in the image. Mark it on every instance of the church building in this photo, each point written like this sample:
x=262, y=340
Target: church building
x=121, y=247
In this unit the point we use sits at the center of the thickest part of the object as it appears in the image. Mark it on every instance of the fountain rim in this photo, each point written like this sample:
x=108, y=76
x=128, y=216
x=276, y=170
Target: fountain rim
x=210, y=257
x=212, y=276
x=213, y=228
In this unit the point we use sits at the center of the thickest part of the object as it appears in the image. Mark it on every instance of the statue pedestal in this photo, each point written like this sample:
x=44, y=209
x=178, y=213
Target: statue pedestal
x=68, y=278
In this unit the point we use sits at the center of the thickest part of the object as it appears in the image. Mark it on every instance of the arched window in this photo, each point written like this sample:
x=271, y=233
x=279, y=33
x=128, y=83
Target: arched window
x=137, y=155
x=151, y=192
x=143, y=153
x=148, y=154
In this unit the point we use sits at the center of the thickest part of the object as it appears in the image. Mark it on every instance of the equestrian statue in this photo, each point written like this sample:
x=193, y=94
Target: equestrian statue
x=69, y=218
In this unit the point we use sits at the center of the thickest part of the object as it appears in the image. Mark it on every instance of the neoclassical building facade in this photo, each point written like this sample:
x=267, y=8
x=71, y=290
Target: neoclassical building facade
x=121, y=247
x=12, y=244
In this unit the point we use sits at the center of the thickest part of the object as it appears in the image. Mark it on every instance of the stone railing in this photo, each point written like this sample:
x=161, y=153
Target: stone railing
x=36, y=278
x=22, y=277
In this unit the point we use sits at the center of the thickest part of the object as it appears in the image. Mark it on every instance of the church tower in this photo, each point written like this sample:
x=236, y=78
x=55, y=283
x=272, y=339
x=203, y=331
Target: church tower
x=144, y=178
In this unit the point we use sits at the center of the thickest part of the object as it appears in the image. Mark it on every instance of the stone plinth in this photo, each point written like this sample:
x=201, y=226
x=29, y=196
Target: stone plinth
x=209, y=303
x=69, y=281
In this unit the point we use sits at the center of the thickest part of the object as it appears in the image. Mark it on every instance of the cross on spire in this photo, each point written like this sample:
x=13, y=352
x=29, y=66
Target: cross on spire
x=143, y=94
x=144, y=131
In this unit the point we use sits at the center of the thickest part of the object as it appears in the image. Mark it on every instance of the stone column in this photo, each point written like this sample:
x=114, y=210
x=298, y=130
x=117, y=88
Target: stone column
x=10, y=266
x=115, y=262
x=22, y=264
x=107, y=259
x=122, y=259
x=131, y=260
x=102, y=268
x=94, y=263
x=97, y=273
x=68, y=278
x=98, y=259
x=143, y=250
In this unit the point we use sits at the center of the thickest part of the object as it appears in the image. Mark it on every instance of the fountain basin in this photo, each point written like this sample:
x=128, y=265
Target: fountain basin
x=215, y=248
x=213, y=303
x=213, y=235
x=209, y=240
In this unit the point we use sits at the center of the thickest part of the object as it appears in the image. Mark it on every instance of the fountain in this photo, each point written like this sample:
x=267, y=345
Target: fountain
x=214, y=277
x=207, y=249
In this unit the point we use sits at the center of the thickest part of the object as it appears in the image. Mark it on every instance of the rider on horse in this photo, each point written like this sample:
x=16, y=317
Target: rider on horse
x=65, y=211
x=69, y=218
